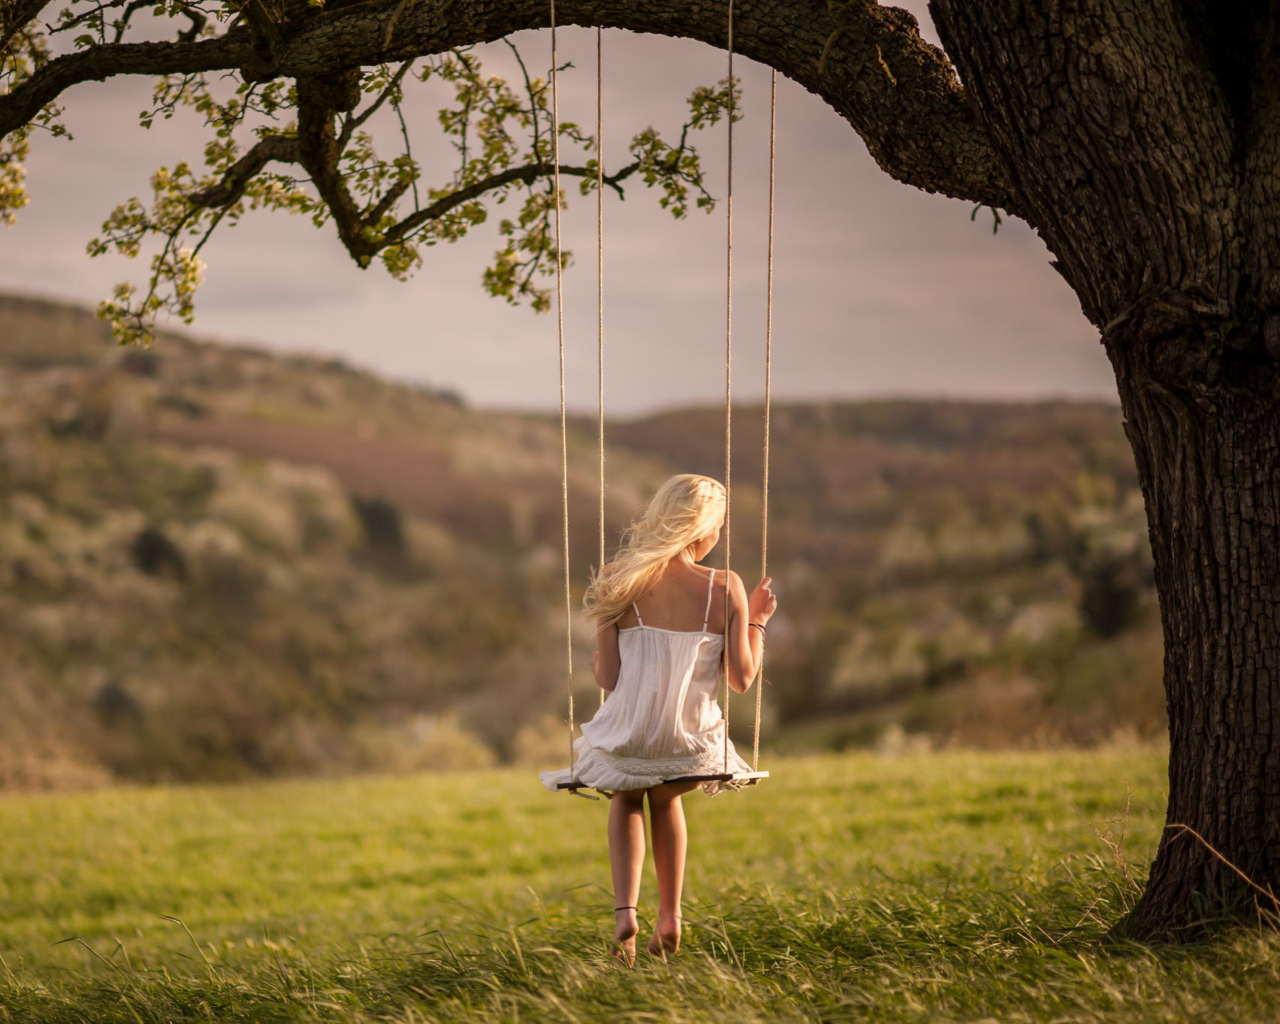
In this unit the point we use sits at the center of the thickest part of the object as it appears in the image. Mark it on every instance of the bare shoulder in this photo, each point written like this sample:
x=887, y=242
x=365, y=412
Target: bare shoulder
x=736, y=586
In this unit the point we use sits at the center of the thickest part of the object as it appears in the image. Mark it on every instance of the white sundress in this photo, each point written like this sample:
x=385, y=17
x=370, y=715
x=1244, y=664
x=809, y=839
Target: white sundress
x=662, y=720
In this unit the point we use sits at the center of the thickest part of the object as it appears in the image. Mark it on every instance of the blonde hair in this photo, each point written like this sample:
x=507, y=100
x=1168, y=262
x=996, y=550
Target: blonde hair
x=685, y=509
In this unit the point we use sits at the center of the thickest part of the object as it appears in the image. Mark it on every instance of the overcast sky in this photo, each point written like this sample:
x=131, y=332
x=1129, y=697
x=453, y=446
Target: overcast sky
x=880, y=289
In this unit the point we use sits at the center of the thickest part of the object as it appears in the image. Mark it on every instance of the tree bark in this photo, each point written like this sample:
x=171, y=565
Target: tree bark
x=1208, y=457
x=1149, y=177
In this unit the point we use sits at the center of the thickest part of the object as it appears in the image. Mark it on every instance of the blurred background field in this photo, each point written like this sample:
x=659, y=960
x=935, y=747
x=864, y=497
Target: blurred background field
x=218, y=564
x=955, y=885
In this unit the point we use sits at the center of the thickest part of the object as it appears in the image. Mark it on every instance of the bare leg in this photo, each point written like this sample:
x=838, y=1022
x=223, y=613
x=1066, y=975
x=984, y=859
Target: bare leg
x=670, y=840
x=626, y=854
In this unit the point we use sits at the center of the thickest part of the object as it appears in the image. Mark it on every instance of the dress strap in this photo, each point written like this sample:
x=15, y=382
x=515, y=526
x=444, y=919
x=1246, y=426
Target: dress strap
x=636, y=608
x=706, y=616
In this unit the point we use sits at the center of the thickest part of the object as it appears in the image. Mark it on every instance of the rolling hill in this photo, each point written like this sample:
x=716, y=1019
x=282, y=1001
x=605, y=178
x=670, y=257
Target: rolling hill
x=220, y=563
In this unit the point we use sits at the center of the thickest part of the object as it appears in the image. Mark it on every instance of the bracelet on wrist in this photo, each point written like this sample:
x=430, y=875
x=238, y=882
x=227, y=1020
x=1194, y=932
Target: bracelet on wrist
x=759, y=626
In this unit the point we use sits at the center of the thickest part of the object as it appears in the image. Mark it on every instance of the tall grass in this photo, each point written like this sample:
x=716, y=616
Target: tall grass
x=953, y=886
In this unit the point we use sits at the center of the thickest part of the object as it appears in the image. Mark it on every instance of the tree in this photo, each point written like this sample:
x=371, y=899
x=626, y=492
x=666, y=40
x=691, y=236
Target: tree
x=323, y=163
x=1141, y=140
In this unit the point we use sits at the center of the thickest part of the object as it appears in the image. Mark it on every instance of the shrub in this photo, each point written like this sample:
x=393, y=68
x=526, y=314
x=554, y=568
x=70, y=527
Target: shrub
x=541, y=744
x=155, y=553
x=382, y=525
x=420, y=743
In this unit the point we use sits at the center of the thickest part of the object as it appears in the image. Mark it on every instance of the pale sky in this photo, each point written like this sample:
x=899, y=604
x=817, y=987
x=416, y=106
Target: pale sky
x=880, y=289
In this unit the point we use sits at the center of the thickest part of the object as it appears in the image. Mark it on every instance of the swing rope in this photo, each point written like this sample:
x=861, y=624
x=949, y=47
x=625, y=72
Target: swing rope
x=728, y=391
x=600, y=283
x=564, y=425
x=768, y=397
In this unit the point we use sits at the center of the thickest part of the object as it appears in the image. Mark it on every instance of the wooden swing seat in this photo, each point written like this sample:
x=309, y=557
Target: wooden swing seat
x=750, y=778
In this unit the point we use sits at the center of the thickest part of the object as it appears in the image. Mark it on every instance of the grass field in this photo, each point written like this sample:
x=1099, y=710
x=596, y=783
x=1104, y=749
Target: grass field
x=957, y=886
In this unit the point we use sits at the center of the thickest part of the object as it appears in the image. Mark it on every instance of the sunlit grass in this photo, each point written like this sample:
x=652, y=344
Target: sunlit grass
x=940, y=887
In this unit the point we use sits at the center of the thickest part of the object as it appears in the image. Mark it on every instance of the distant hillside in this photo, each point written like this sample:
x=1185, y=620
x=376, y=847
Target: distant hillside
x=215, y=562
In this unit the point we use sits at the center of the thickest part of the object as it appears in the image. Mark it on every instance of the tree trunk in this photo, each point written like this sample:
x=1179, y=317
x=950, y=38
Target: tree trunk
x=1134, y=157
x=1208, y=458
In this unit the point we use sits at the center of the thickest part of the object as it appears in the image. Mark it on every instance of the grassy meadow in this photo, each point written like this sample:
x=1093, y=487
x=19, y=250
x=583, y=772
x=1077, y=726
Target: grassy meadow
x=944, y=886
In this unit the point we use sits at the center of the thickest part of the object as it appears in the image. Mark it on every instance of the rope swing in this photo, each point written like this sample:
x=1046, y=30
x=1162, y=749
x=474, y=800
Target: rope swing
x=600, y=281
x=768, y=395
x=728, y=392
x=755, y=774
x=564, y=428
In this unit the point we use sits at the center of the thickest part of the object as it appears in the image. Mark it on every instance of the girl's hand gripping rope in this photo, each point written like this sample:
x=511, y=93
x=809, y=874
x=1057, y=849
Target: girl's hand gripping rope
x=763, y=603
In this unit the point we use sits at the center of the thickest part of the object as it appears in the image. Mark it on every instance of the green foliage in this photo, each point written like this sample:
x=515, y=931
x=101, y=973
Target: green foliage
x=953, y=887
x=381, y=207
x=183, y=226
x=26, y=53
x=13, y=192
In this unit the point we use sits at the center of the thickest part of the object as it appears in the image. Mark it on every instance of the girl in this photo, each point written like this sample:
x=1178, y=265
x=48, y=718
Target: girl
x=662, y=721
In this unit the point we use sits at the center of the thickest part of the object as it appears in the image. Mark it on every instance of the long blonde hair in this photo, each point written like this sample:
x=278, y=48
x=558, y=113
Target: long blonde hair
x=685, y=509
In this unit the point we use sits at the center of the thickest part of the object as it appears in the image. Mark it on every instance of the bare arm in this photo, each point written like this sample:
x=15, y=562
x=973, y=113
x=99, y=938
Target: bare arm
x=607, y=660
x=744, y=646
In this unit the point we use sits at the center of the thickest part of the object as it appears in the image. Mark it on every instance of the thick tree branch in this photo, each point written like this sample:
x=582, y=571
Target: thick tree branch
x=897, y=91
x=96, y=63
x=1106, y=114
x=319, y=102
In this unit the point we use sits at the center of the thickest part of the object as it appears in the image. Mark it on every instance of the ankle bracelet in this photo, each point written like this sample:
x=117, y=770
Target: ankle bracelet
x=616, y=909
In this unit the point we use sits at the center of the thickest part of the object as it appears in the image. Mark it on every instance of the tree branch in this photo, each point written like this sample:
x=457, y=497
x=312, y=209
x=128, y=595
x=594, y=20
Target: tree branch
x=354, y=120
x=1102, y=134
x=230, y=189
x=15, y=15
x=107, y=60
x=392, y=196
x=525, y=174
x=897, y=91
x=285, y=149
x=289, y=150
x=319, y=102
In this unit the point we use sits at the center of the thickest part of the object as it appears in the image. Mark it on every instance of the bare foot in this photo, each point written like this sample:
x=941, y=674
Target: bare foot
x=666, y=937
x=624, y=935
